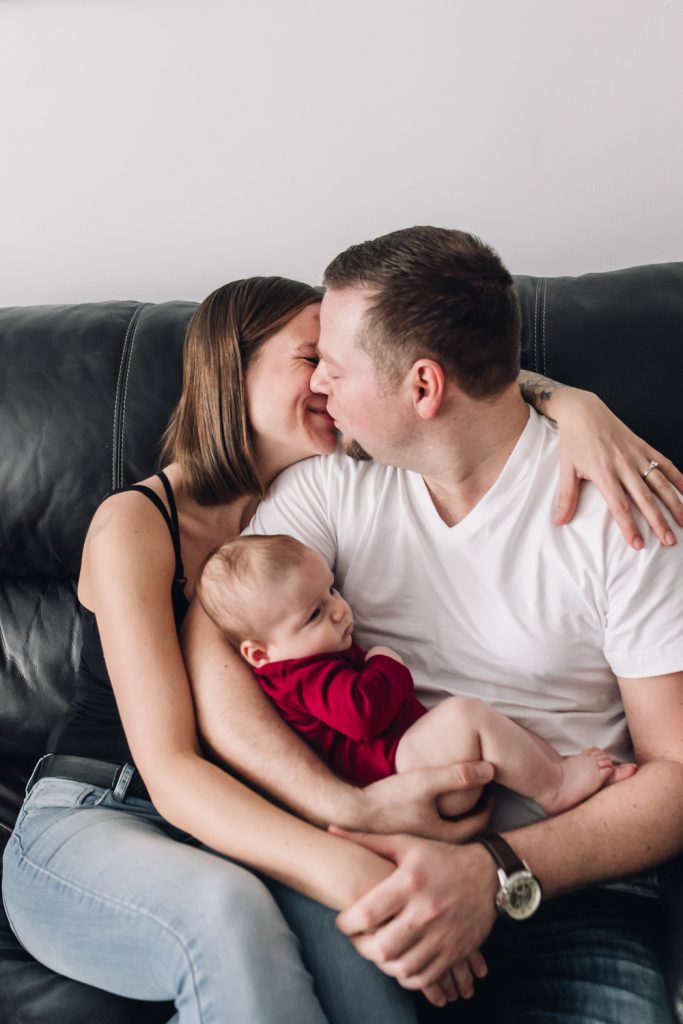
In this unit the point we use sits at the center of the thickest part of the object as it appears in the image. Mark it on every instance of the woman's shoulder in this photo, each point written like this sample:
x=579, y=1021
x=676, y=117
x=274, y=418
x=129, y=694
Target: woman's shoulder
x=128, y=527
x=128, y=507
x=141, y=502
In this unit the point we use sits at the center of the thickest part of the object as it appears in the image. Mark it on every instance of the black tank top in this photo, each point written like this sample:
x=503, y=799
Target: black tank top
x=92, y=725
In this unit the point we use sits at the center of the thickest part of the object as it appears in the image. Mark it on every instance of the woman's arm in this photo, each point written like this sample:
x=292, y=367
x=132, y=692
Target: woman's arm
x=595, y=445
x=126, y=579
x=243, y=730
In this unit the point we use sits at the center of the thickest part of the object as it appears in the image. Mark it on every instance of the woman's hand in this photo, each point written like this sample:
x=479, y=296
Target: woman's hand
x=408, y=802
x=595, y=445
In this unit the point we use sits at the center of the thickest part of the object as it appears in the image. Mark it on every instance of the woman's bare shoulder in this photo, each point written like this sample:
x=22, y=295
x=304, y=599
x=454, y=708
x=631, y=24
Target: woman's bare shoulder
x=124, y=514
x=127, y=533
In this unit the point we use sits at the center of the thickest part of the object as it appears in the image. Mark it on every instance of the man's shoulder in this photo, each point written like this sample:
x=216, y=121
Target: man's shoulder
x=592, y=538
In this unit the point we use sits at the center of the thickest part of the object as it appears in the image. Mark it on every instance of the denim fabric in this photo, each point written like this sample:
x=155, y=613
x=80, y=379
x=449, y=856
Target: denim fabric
x=588, y=958
x=108, y=893
x=369, y=997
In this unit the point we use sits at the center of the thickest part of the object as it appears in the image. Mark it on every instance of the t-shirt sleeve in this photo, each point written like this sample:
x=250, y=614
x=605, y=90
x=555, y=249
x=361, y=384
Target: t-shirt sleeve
x=644, y=622
x=296, y=504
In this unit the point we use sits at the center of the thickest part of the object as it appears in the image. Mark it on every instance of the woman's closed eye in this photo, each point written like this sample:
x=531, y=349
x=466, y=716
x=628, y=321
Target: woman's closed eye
x=312, y=360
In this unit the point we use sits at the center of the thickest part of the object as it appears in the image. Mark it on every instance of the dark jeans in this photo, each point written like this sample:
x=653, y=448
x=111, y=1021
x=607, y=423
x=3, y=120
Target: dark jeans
x=588, y=958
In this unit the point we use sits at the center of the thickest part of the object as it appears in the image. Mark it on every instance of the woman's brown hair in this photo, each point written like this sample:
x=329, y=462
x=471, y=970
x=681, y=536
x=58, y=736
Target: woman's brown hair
x=209, y=432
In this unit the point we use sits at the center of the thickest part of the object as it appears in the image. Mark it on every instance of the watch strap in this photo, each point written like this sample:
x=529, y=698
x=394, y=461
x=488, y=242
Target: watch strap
x=502, y=853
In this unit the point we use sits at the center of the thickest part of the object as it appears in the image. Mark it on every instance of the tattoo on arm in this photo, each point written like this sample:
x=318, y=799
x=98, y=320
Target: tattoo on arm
x=95, y=531
x=537, y=390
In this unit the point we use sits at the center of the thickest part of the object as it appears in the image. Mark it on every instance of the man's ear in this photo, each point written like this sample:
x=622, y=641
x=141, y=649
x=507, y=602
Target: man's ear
x=429, y=386
x=254, y=652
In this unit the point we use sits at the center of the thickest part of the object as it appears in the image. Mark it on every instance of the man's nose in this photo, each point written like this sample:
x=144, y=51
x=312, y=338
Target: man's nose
x=318, y=379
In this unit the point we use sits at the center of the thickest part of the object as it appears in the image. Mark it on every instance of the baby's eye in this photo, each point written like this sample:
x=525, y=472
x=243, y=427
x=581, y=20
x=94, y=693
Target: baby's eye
x=333, y=591
x=316, y=614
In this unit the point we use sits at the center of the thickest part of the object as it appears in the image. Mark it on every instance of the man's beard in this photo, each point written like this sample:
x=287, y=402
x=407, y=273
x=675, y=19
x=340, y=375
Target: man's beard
x=353, y=449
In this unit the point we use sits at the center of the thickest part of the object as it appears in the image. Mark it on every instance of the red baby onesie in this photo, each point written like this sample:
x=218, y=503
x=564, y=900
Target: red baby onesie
x=352, y=712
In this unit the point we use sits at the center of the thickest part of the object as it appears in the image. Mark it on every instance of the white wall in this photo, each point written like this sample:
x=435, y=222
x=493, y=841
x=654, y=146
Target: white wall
x=155, y=148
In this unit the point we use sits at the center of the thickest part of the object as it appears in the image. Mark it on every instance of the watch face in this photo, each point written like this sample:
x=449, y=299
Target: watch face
x=520, y=896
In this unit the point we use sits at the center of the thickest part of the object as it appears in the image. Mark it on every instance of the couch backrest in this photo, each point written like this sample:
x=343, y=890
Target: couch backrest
x=85, y=393
x=619, y=334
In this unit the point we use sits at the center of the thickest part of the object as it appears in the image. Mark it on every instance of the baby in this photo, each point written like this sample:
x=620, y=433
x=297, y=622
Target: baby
x=274, y=599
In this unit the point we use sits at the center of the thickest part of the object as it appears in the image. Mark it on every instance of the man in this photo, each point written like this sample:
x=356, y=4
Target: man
x=446, y=549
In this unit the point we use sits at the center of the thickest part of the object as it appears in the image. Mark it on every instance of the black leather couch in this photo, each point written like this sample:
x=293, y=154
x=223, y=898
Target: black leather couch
x=85, y=392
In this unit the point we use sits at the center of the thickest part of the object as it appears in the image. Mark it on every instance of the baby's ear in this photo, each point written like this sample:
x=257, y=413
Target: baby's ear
x=254, y=652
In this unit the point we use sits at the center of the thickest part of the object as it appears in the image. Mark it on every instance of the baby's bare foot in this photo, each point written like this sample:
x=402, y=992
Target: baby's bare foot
x=580, y=776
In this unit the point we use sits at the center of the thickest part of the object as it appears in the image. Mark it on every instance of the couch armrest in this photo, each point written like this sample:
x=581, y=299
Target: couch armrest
x=672, y=933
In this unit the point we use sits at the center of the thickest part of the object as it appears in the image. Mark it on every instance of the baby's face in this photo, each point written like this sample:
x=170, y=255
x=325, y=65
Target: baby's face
x=309, y=615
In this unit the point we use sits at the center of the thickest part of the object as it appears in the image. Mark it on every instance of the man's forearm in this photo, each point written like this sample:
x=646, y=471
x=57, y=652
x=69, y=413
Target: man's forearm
x=625, y=828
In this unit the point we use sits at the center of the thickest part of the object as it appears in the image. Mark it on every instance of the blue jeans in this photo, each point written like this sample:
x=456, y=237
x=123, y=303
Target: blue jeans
x=107, y=892
x=588, y=958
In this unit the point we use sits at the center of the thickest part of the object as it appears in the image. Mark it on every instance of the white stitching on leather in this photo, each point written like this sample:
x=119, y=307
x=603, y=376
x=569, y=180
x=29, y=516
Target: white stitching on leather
x=543, y=330
x=117, y=398
x=113, y=428
x=125, y=389
x=538, y=284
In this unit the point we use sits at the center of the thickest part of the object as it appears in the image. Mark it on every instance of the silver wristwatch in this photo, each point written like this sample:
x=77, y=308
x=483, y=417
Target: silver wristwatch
x=520, y=891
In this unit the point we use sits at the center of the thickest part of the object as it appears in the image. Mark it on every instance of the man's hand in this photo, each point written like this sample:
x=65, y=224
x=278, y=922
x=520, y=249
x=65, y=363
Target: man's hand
x=409, y=802
x=457, y=982
x=429, y=916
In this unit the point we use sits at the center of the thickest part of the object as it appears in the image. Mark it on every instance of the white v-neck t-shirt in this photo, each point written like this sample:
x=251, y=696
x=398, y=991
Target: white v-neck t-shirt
x=535, y=619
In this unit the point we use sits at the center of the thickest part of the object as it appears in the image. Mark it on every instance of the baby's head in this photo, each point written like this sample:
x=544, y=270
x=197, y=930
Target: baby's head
x=274, y=599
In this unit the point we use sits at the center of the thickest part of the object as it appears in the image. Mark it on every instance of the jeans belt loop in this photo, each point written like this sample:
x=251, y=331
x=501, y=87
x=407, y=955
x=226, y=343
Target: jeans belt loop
x=123, y=782
x=35, y=774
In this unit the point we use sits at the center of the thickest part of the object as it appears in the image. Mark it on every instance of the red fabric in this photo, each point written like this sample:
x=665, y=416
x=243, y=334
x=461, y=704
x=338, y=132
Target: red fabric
x=352, y=712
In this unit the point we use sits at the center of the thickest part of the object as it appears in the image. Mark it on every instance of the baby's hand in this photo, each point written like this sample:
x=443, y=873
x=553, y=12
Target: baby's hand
x=387, y=652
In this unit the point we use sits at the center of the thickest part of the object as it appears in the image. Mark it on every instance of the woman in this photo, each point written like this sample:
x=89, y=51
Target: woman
x=136, y=873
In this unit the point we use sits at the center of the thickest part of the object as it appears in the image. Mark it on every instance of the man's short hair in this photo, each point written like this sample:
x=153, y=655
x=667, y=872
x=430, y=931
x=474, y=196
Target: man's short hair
x=234, y=577
x=438, y=294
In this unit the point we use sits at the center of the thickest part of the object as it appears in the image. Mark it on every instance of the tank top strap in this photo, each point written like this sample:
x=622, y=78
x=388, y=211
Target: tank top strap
x=175, y=532
x=171, y=503
x=170, y=520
